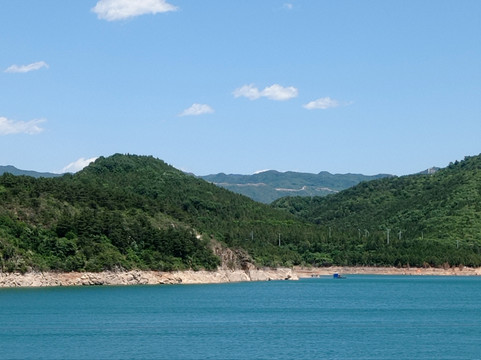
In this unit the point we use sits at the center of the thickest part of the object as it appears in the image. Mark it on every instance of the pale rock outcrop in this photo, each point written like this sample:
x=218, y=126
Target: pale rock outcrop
x=136, y=277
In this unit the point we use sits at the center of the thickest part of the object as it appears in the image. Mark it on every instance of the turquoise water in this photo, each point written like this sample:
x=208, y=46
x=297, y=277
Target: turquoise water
x=361, y=317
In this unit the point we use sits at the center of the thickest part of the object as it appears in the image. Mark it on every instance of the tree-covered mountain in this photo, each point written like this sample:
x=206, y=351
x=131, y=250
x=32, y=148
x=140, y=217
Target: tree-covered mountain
x=442, y=207
x=270, y=185
x=14, y=171
x=129, y=211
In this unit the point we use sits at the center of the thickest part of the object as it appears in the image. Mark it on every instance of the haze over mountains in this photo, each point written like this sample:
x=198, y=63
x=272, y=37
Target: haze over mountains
x=270, y=185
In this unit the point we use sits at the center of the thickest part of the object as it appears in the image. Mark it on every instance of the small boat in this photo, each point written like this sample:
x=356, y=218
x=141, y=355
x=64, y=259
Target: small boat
x=338, y=276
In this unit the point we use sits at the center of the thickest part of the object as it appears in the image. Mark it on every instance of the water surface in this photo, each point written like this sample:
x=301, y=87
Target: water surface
x=361, y=317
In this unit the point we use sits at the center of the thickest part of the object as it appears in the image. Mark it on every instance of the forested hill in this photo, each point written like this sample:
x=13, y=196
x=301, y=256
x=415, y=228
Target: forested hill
x=270, y=185
x=128, y=211
x=443, y=207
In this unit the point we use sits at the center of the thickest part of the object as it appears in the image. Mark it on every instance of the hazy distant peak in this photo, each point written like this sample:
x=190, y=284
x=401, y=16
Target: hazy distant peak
x=18, y=172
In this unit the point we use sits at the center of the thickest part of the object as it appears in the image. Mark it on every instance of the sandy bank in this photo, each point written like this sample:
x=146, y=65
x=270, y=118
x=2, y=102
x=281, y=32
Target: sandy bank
x=346, y=270
x=41, y=279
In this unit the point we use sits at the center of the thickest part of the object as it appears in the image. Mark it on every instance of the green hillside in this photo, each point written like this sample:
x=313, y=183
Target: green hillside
x=137, y=212
x=129, y=211
x=268, y=186
x=439, y=210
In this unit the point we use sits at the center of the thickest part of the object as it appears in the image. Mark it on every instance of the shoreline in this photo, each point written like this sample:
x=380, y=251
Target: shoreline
x=385, y=270
x=138, y=277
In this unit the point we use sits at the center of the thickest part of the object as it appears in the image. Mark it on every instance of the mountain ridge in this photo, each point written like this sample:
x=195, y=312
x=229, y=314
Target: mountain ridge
x=271, y=185
x=18, y=172
x=265, y=186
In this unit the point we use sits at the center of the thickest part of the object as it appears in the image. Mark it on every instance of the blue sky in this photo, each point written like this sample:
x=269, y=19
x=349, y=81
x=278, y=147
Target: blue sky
x=240, y=86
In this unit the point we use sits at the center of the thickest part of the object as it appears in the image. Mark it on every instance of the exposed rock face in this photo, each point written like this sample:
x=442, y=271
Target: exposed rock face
x=38, y=279
x=232, y=259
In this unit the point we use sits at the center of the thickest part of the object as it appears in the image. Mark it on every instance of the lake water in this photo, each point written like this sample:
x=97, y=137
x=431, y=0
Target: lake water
x=361, y=317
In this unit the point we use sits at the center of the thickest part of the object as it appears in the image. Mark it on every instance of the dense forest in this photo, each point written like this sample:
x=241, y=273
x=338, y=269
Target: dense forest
x=128, y=211
x=419, y=212
x=137, y=212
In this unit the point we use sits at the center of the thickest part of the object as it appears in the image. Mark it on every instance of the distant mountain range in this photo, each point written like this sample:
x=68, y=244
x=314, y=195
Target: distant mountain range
x=14, y=171
x=271, y=185
x=266, y=186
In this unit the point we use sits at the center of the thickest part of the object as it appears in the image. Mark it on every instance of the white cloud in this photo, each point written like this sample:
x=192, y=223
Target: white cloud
x=26, y=68
x=273, y=92
x=322, y=103
x=8, y=126
x=77, y=165
x=288, y=6
x=112, y=10
x=279, y=93
x=248, y=91
x=197, y=109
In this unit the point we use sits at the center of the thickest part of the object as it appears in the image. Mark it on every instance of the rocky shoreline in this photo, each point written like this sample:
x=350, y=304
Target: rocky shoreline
x=137, y=277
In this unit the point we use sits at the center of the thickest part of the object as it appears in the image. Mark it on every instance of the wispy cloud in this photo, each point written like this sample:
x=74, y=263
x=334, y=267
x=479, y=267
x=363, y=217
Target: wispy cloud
x=197, y=109
x=77, y=165
x=112, y=10
x=273, y=92
x=261, y=171
x=26, y=68
x=288, y=6
x=322, y=103
x=8, y=126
